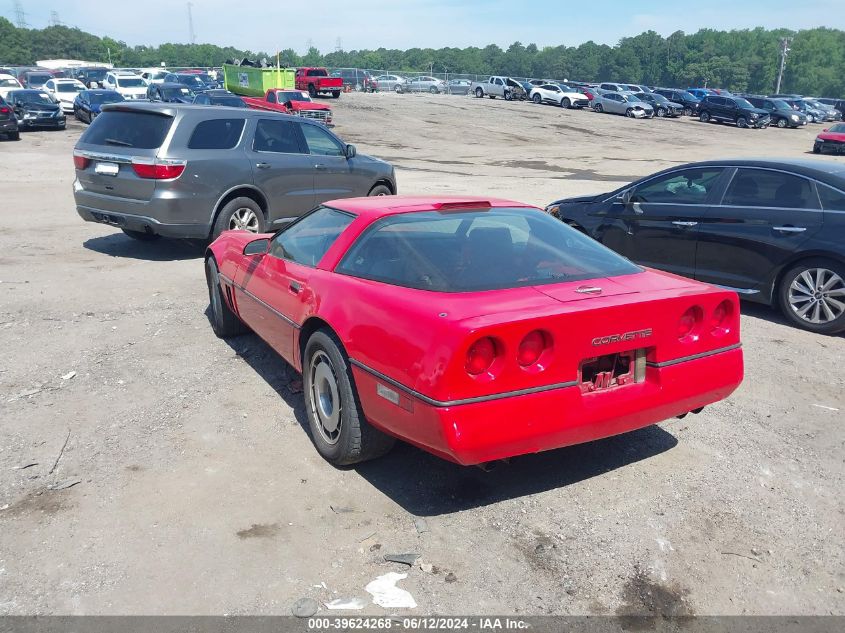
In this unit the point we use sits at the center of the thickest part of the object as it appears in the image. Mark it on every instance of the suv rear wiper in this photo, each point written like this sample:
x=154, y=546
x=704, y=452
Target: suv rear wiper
x=114, y=141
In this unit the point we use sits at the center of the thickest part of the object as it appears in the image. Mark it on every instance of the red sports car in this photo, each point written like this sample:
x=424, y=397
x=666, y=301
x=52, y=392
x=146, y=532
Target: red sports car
x=831, y=140
x=474, y=329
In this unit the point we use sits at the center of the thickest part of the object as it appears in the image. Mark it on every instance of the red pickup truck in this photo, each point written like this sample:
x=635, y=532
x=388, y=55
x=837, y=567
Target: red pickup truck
x=317, y=81
x=293, y=102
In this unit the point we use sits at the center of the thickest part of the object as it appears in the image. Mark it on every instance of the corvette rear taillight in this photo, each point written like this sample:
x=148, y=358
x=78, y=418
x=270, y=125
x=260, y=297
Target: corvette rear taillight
x=532, y=347
x=480, y=356
x=689, y=322
x=80, y=161
x=159, y=169
x=722, y=318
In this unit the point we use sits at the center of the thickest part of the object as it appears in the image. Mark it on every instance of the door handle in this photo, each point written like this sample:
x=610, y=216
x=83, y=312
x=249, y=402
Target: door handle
x=262, y=165
x=294, y=287
x=320, y=167
x=790, y=229
x=682, y=223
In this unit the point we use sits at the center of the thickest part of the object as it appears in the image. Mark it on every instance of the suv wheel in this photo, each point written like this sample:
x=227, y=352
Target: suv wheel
x=240, y=214
x=687, y=111
x=704, y=117
x=781, y=123
x=742, y=122
x=380, y=190
x=812, y=296
x=565, y=103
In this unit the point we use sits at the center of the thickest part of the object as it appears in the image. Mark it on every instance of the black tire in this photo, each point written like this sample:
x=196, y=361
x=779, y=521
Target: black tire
x=312, y=90
x=224, y=322
x=742, y=122
x=336, y=94
x=398, y=89
x=781, y=123
x=629, y=113
x=353, y=439
x=225, y=219
x=565, y=103
x=817, y=149
x=14, y=136
x=479, y=93
x=380, y=190
x=508, y=96
x=832, y=326
x=598, y=108
x=660, y=112
x=687, y=111
x=704, y=117
x=492, y=96
x=141, y=236
x=536, y=98
x=433, y=90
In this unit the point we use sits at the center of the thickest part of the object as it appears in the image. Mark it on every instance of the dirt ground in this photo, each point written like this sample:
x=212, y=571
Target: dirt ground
x=189, y=486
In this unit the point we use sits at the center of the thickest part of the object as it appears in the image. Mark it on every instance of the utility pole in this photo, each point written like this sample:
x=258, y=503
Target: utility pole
x=20, y=16
x=191, y=24
x=784, y=50
x=54, y=18
x=338, y=47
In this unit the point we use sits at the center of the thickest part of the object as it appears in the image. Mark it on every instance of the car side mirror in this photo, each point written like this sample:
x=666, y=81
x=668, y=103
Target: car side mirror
x=351, y=151
x=257, y=247
x=826, y=130
x=624, y=198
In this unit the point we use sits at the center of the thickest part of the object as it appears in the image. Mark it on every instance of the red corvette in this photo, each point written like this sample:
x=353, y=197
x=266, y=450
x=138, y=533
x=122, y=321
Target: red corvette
x=831, y=140
x=474, y=329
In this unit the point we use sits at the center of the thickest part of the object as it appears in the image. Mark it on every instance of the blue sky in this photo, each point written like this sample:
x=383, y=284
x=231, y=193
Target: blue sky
x=270, y=25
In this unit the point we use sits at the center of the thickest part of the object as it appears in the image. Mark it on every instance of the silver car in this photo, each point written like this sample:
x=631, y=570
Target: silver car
x=426, y=84
x=391, y=82
x=622, y=103
x=174, y=170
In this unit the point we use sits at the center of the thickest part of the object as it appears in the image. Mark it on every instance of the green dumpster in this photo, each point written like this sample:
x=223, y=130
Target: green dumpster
x=255, y=82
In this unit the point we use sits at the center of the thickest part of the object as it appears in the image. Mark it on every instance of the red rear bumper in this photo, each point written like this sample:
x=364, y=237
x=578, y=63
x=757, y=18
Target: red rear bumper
x=505, y=427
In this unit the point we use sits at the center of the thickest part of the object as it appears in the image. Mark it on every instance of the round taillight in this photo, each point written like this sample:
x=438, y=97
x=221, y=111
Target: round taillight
x=480, y=356
x=720, y=321
x=531, y=348
x=689, y=321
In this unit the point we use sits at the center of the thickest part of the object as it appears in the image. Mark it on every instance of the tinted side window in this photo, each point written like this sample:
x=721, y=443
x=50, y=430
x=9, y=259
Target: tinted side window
x=138, y=130
x=216, y=134
x=690, y=186
x=321, y=142
x=271, y=97
x=277, y=136
x=763, y=188
x=832, y=199
x=306, y=241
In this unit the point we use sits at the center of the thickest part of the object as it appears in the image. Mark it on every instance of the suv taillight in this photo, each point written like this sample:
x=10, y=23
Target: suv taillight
x=4, y=110
x=159, y=169
x=80, y=161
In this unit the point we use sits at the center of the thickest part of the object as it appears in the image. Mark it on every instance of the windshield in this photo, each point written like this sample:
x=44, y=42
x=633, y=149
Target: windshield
x=476, y=250
x=69, y=87
x=130, y=82
x=190, y=80
x=742, y=103
x=96, y=75
x=174, y=93
x=205, y=77
x=9, y=82
x=38, y=80
x=292, y=95
x=780, y=104
x=105, y=97
x=36, y=97
x=232, y=102
x=839, y=128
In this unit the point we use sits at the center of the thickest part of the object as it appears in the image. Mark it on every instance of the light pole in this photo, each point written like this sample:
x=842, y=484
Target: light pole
x=784, y=49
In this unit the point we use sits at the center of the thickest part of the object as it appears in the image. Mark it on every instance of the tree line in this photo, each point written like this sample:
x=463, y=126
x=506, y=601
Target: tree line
x=740, y=60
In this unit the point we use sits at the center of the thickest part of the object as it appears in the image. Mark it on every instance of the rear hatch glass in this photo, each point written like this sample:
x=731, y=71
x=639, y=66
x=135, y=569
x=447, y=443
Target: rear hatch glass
x=114, y=139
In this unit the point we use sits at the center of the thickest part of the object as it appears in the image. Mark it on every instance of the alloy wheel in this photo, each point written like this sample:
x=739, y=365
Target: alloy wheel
x=324, y=397
x=817, y=295
x=244, y=219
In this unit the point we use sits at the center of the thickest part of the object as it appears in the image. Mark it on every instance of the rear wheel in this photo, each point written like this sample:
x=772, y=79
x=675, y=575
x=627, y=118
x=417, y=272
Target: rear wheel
x=812, y=296
x=598, y=108
x=380, y=190
x=240, y=214
x=336, y=94
x=687, y=111
x=704, y=117
x=224, y=322
x=565, y=103
x=141, y=236
x=312, y=90
x=14, y=136
x=339, y=430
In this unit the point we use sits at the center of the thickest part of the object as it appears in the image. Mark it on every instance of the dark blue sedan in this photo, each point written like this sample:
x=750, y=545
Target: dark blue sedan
x=87, y=104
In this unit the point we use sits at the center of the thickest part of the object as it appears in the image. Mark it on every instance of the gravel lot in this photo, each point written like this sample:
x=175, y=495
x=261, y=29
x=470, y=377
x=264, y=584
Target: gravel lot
x=199, y=491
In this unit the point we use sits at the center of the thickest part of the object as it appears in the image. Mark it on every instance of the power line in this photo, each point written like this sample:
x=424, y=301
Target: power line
x=191, y=24
x=54, y=18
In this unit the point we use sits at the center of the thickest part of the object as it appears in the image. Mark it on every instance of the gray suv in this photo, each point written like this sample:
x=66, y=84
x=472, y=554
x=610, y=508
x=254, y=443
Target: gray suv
x=173, y=170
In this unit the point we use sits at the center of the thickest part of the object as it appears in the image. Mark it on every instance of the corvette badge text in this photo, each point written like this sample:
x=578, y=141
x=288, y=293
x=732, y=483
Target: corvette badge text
x=627, y=336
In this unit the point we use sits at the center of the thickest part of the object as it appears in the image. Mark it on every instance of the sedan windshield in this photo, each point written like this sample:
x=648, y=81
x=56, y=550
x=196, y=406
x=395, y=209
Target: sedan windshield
x=9, y=82
x=38, y=80
x=69, y=87
x=232, y=102
x=106, y=97
x=175, y=93
x=190, y=80
x=478, y=249
x=36, y=97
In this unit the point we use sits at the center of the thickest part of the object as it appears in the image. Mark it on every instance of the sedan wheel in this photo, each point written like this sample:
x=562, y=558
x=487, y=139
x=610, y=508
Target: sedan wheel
x=324, y=398
x=660, y=112
x=598, y=108
x=742, y=122
x=781, y=123
x=704, y=117
x=812, y=295
x=565, y=103
x=398, y=89
x=536, y=98
x=629, y=113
